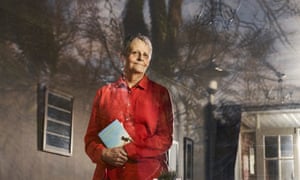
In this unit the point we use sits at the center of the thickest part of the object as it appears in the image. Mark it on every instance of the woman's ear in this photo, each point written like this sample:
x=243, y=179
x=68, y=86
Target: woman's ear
x=122, y=58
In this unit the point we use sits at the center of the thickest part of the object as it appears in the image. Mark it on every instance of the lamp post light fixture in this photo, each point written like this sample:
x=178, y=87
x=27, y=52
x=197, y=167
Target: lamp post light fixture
x=212, y=89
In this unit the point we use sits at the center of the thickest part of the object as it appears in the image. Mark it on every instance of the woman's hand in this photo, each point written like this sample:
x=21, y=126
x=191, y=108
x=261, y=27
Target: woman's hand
x=115, y=156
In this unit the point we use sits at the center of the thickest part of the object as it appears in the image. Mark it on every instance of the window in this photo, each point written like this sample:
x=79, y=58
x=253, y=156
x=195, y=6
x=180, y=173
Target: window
x=279, y=157
x=58, y=123
x=269, y=154
x=188, y=158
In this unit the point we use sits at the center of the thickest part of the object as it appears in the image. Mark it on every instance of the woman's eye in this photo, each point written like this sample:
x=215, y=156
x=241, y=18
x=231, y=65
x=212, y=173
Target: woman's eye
x=137, y=53
x=145, y=55
x=133, y=52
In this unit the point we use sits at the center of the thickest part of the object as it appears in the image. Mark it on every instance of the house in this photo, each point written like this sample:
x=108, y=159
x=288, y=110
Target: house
x=35, y=148
x=43, y=122
x=269, y=142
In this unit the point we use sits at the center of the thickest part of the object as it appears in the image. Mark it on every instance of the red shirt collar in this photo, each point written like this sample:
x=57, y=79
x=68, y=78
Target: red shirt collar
x=143, y=84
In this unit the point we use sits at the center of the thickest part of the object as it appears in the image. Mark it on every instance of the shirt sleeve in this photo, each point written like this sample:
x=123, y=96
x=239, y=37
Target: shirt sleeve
x=93, y=145
x=160, y=142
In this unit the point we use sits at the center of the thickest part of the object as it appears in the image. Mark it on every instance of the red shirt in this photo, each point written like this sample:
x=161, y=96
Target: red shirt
x=146, y=113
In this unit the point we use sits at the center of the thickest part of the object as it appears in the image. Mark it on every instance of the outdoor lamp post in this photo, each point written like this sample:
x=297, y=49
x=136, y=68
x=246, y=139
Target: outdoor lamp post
x=210, y=121
x=210, y=130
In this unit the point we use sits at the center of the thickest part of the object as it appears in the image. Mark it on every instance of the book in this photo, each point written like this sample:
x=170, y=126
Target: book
x=114, y=135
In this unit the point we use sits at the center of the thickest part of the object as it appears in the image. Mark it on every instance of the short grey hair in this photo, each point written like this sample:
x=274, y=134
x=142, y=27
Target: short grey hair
x=129, y=39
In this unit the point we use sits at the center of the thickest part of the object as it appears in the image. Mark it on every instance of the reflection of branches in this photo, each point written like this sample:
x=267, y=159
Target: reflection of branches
x=273, y=18
x=282, y=7
x=104, y=30
x=64, y=23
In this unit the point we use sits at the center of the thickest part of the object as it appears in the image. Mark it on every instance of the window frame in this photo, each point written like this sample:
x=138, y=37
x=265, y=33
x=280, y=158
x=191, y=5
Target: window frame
x=188, y=158
x=53, y=148
x=261, y=160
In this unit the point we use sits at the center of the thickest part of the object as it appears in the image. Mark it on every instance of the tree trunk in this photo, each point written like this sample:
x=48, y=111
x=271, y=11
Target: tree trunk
x=134, y=19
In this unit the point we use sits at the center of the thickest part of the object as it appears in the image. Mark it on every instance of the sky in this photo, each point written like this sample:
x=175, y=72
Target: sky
x=285, y=60
x=287, y=57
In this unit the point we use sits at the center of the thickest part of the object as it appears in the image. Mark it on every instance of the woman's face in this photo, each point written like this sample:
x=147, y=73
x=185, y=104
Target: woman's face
x=138, y=58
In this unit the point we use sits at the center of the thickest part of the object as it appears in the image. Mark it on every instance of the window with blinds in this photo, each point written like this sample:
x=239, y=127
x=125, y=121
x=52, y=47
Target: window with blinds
x=58, y=123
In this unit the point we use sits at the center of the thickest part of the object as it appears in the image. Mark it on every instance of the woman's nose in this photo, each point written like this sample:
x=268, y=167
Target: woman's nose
x=139, y=57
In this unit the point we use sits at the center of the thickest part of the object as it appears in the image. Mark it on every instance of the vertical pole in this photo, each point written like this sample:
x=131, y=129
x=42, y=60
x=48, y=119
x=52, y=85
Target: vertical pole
x=210, y=132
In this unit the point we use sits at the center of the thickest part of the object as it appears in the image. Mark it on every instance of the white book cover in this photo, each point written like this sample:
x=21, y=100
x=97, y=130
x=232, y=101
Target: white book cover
x=114, y=135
